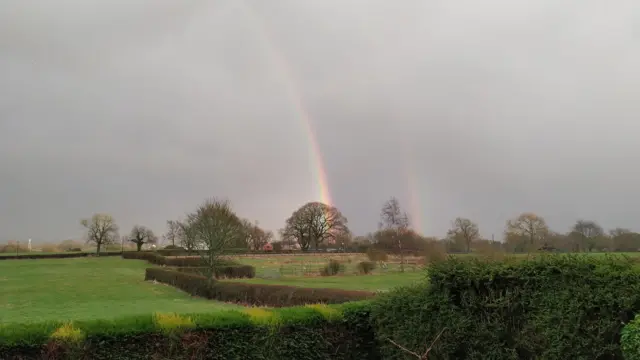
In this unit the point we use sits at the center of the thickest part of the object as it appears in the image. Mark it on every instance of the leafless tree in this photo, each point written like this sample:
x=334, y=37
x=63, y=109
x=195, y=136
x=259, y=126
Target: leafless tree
x=528, y=226
x=465, y=230
x=256, y=237
x=141, y=235
x=587, y=233
x=186, y=234
x=393, y=219
x=315, y=223
x=216, y=227
x=173, y=232
x=101, y=230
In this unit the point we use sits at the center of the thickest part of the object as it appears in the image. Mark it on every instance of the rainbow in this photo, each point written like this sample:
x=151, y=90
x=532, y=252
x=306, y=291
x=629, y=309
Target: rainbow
x=413, y=191
x=299, y=106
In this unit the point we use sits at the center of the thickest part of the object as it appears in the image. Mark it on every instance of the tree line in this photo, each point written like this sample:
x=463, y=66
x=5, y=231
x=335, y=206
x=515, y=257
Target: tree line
x=317, y=226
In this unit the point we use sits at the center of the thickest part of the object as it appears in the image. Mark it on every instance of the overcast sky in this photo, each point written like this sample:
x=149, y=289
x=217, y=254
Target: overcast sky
x=482, y=109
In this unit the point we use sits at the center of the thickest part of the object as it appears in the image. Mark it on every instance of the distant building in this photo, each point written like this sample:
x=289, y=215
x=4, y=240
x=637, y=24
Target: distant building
x=267, y=247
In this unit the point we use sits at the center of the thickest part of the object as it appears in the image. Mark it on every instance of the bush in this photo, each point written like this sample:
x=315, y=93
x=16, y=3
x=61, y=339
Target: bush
x=376, y=254
x=366, y=267
x=145, y=255
x=546, y=307
x=254, y=294
x=334, y=267
x=318, y=332
x=630, y=340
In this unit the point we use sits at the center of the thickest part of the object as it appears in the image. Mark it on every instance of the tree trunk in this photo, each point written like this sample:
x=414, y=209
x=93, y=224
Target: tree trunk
x=139, y=246
x=99, y=243
x=401, y=256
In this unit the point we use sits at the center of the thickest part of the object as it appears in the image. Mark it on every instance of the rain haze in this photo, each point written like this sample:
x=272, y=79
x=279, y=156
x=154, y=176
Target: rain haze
x=143, y=109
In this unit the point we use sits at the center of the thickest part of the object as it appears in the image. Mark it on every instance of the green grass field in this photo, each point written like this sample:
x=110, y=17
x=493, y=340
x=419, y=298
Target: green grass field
x=87, y=288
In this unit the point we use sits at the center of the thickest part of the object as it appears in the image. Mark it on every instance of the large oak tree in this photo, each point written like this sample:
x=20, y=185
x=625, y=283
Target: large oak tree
x=315, y=223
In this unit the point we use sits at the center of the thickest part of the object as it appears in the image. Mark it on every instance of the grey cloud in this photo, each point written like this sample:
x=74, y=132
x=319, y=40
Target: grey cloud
x=143, y=109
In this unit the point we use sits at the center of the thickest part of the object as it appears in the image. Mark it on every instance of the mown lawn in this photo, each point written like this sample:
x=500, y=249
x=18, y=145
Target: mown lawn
x=381, y=282
x=87, y=288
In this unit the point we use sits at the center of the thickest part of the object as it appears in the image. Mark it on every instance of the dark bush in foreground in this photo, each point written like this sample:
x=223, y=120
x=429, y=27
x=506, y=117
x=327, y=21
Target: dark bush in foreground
x=318, y=332
x=630, y=340
x=549, y=307
x=254, y=294
x=366, y=267
x=334, y=267
x=223, y=271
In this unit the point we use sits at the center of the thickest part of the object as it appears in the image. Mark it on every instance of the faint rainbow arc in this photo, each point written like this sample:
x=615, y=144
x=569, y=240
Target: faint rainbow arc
x=297, y=101
x=413, y=191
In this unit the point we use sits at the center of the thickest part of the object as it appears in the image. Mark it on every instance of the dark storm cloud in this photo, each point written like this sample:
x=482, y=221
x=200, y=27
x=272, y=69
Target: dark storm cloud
x=142, y=109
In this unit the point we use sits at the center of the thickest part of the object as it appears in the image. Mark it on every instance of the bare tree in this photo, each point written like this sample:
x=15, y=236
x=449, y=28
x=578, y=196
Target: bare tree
x=141, y=235
x=173, y=232
x=587, y=233
x=624, y=239
x=394, y=220
x=315, y=223
x=101, y=230
x=465, y=230
x=256, y=237
x=528, y=226
x=216, y=227
x=186, y=234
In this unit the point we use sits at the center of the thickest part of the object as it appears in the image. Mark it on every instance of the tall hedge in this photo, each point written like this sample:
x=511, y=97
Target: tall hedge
x=547, y=307
x=253, y=294
x=304, y=333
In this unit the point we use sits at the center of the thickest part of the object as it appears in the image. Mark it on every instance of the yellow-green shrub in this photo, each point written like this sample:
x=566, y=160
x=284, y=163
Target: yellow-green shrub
x=171, y=323
x=67, y=333
x=328, y=312
x=262, y=316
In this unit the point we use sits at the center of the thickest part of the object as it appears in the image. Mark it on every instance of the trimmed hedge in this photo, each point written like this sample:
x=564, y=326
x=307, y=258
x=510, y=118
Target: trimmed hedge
x=226, y=268
x=155, y=258
x=33, y=256
x=223, y=271
x=304, y=333
x=547, y=307
x=254, y=294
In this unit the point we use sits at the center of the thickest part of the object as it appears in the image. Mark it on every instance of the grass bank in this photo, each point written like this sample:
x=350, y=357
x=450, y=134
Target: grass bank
x=87, y=288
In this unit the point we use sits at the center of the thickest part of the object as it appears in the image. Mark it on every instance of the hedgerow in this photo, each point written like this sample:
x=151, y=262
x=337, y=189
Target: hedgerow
x=155, y=257
x=313, y=332
x=254, y=294
x=547, y=307
x=34, y=256
x=223, y=271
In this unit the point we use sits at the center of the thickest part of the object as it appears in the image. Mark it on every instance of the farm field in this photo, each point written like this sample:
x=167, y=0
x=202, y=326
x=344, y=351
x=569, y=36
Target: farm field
x=374, y=282
x=303, y=271
x=87, y=288
x=310, y=265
